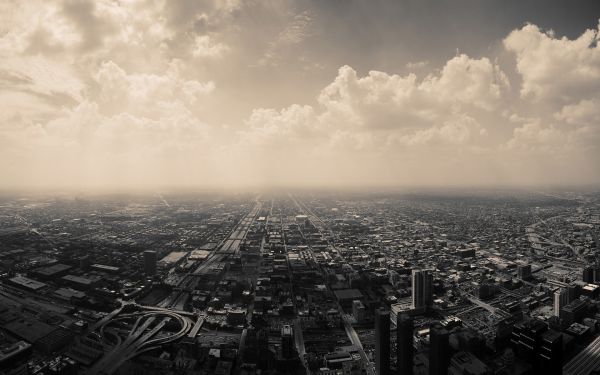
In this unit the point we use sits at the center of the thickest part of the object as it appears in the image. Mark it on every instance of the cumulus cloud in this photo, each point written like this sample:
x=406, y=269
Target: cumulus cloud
x=381, y=100
x=556, y=68
x=378, y=119
x=132, y=93
x=146, y=95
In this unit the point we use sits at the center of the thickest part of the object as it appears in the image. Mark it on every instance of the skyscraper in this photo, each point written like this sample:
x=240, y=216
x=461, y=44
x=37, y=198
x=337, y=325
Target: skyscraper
x=439, y=350
x=588, y=274
x=535, y=344
x=561, y=299
x=287, y=341
x=404, y=344
x=422, y=288
x=524, y=271
x=382, y=342
x=550, y=353
x=150, y=259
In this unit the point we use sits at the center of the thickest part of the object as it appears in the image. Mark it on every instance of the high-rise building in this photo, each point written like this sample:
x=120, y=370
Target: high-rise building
x=404, y=344
x=439, y=350
x=422, y=288
x=561, y=299
x=262, y=338
x=574, y=311
x=358, y=311
x=574, y=292
x=524, y=271
x=550, y=353
x=597, y=272
x=588, y=274
x=287, y=341
x=382, y=342
x=537, y=345
x=150, y=260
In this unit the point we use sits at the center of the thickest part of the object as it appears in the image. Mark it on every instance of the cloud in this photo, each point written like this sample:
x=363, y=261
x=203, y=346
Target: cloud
x=556, y=68
x=585, y=112
x=205, y=47
x=417, y=64
x=381, y=100
x=562, y=78
x=146, y=93
x=295, y=32
x=378, y=119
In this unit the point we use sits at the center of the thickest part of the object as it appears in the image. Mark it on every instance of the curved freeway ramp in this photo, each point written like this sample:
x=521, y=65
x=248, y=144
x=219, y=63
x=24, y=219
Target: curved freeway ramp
x=141, y=337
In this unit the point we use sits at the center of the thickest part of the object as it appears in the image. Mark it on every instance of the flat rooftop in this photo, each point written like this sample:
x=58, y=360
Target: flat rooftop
x=27, y=283
x=78, y=279
x=198, y=254
x=52, y=270
x=347, y=294
x=173, y=257
x=30, y=330
x=68, y=293
x=105, y=268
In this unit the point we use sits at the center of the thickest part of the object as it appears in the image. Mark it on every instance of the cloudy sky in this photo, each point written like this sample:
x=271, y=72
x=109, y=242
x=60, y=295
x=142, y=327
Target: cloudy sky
x=144, y=93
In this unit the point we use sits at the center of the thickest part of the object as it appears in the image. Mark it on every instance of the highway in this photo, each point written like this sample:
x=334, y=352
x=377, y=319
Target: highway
x=140, y=338
x=586, y=361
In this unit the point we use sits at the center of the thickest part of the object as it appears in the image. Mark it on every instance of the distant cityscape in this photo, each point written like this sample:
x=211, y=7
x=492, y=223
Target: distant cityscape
x=454, y=283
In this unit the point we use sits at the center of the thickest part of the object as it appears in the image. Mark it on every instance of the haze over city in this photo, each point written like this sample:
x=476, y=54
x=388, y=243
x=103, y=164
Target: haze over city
x=229, y=93
x=300, y=187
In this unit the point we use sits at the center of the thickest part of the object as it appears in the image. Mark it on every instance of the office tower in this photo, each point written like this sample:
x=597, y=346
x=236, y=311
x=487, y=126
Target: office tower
x=439, y=350
x=588, y=274
x=574, y=292
x=287, y=341
x=524, y=271
x=550, y=353
x=358, y=311
x=262, y=338
x=561, y=299
x=250, y=353
x=537, y=345
x=382, y=342
x=422, y=288
x=574, y=311
x=596, y=273
x=404, y=344
x=150, y=259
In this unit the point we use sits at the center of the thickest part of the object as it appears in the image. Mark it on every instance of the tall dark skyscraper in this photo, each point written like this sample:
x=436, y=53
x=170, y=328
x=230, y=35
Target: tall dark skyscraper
x=404, y=344
x=287, y=341
x=539, y=346
x=588, y=274
x=550, y=353
x=382, y=342
x=422, y=288
x=150, y=262
x=439, y=350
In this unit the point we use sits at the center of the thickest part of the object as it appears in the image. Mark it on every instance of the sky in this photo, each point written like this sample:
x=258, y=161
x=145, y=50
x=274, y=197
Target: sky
x=234, y=93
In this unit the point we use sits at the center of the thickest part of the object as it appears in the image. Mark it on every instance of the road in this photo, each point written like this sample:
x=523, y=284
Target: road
x=140, y=338
x=586, y=361
x=228, y=247
x=350, y=331
x=488, y=307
